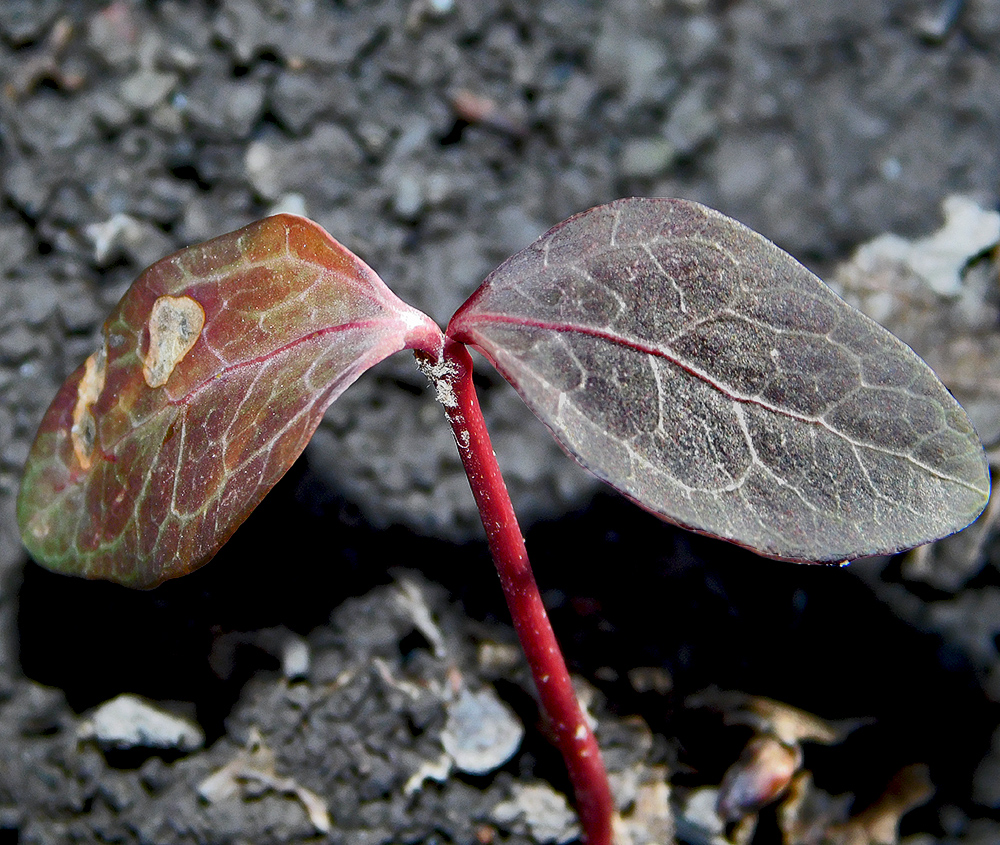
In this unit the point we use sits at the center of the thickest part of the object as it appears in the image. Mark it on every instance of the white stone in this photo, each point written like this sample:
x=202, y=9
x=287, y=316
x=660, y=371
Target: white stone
x=129, y=721
x=482, y=732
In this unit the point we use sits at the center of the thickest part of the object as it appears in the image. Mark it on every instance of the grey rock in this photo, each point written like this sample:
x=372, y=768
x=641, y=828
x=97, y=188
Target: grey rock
x=544, y=811
x=692, y=120
x=17, y=343
x=27, y=20
x=698, y=821
x=225, y=109
x=147, y=87
x=320, y=166
x=643, y=158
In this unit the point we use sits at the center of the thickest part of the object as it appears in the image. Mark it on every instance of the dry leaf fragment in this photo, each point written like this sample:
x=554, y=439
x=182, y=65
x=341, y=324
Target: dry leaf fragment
x=810, y=815
x=769, y=766
x=807, y=813
x=766, y=716
x=255, y=764
x=879, y=823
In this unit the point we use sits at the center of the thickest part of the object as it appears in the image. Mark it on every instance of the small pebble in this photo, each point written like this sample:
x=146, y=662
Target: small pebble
x=408, y=197
x=646, y=157
x=545, y=811
x=482, y=733
x=145, y=88
x=129, y=721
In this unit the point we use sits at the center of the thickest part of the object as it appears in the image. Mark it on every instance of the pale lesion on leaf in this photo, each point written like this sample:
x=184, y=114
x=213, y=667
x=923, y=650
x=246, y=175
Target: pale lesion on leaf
x=83, y=432
x=175, y=324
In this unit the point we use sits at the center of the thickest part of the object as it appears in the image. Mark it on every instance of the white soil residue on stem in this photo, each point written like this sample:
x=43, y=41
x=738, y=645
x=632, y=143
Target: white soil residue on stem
x=442, y=374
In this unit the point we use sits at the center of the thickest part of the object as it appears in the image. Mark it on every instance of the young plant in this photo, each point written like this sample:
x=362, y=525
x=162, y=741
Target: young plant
x=681, y=357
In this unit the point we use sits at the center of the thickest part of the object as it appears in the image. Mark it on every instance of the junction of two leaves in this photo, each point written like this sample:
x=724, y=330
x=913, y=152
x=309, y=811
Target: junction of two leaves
x=678, y=355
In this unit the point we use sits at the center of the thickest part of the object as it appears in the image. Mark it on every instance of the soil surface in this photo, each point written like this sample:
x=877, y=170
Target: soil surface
x=308, y=684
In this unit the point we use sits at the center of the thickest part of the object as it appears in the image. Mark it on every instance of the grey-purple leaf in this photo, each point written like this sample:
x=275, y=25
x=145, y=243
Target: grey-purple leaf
x=713, y=379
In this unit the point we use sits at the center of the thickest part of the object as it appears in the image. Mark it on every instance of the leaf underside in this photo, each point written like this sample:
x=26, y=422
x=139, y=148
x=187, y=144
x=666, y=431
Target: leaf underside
x=711, y=378
x=214, y=371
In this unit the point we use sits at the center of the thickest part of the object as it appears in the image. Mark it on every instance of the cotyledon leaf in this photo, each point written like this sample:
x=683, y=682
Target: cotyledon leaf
x=710, y=377
x=213, y=373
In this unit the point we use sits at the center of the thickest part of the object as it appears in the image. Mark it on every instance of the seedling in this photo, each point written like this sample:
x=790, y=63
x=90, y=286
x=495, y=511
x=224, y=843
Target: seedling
x=681, y=357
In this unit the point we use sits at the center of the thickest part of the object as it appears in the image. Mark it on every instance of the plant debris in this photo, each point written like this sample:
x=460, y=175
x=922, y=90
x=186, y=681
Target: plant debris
x=254, y=769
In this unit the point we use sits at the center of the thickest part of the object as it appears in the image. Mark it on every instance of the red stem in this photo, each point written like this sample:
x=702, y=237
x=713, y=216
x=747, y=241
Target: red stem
x=573, y=736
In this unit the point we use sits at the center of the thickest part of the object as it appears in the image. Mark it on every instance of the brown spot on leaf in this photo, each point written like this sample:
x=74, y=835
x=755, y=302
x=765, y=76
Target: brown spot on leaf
x=83, y=432
x=175, y=323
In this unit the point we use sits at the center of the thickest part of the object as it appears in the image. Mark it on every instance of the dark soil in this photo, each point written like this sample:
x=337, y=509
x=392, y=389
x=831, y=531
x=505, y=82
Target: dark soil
x=435, y=138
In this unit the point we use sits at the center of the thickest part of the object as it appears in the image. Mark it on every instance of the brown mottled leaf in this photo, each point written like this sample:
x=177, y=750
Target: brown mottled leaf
x=714, y=380
x=214, y=371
